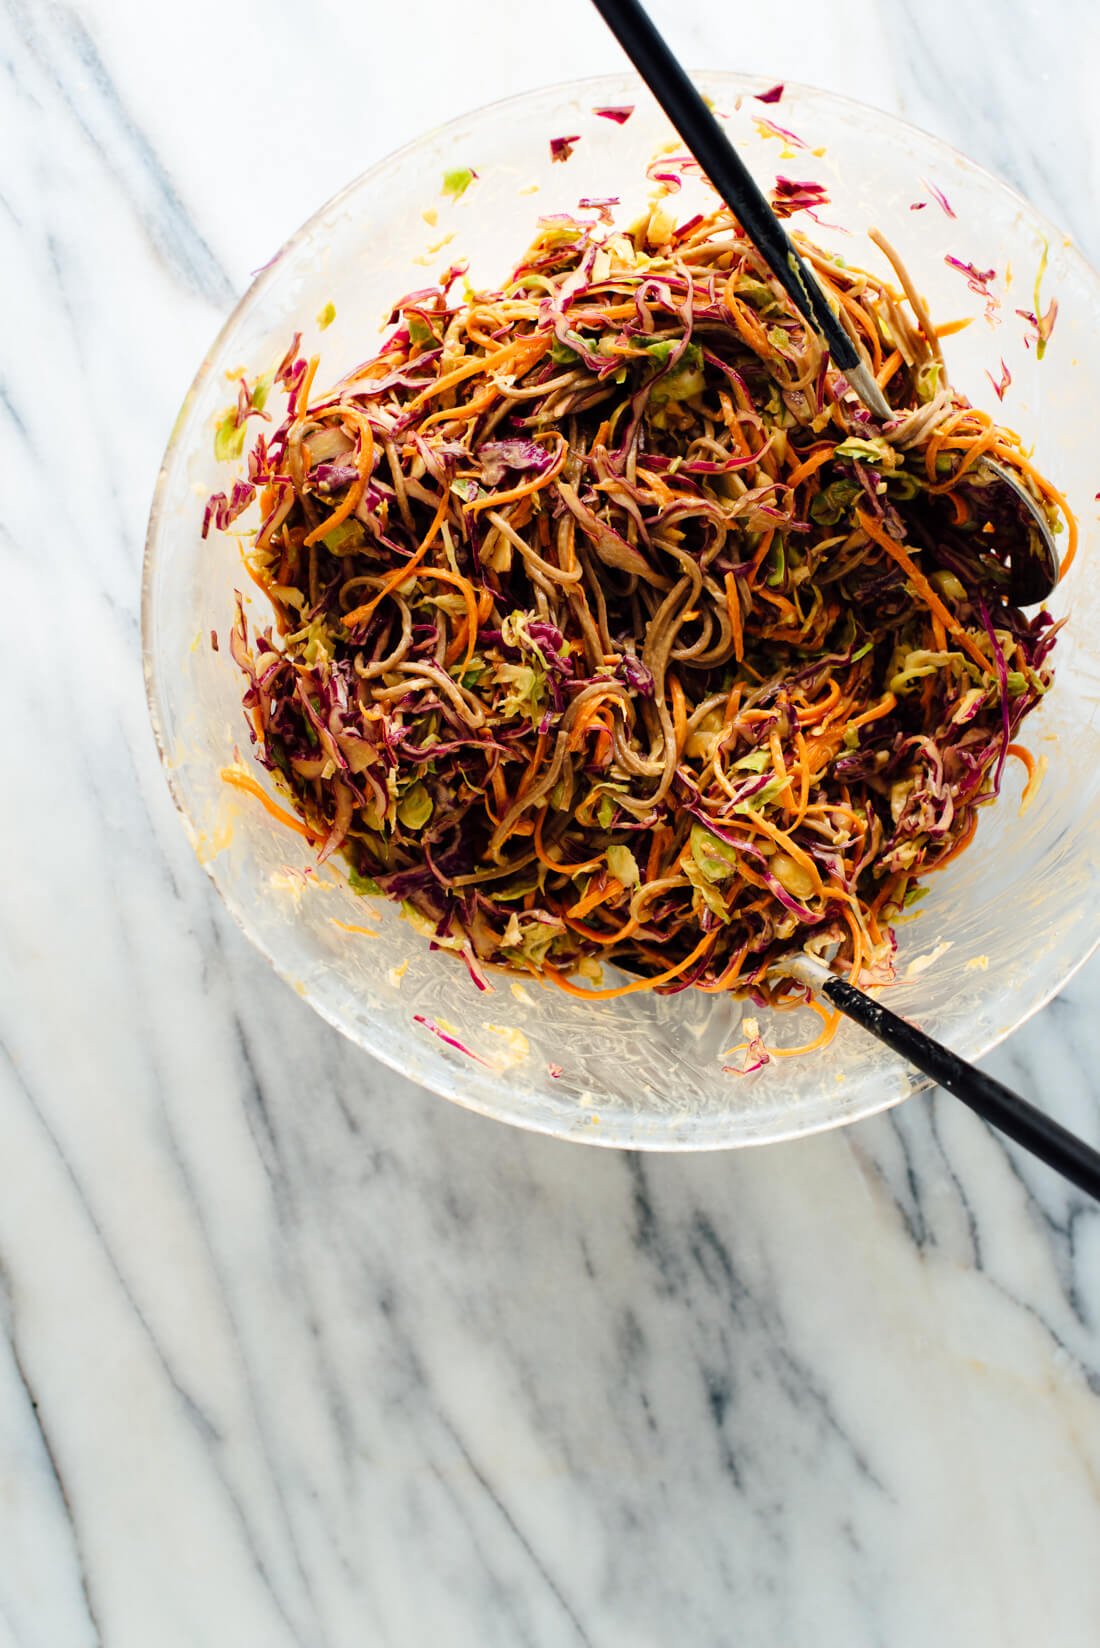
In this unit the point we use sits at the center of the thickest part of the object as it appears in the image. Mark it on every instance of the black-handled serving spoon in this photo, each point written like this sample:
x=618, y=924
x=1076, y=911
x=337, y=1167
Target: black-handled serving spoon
x=989, y=1098
x=1033, y=574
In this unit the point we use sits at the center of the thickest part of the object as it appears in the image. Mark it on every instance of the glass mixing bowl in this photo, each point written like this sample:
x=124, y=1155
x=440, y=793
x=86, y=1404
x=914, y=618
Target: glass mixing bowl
x=1001, y=929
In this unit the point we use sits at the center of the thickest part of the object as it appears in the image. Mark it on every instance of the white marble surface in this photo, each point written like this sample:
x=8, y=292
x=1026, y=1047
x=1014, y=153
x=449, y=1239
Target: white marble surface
x=292, y=1353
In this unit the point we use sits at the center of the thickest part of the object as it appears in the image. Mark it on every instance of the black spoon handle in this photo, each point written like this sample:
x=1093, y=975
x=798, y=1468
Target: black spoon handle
x=715, y=153
x=998, y=1104
x=734, y=182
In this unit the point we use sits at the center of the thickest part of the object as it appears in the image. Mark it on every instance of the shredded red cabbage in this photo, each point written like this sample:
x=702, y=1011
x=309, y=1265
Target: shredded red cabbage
x=451, y=1041
x=769, y=128
x=1000, y=384
x=1040, y=326
x=562, y=147
x=602, y=206
x=790, y=196
x=940, y=198
x=978, y=281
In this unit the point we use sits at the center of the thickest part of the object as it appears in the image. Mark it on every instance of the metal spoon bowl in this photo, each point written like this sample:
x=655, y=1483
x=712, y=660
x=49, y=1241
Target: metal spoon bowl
x=1033, y=573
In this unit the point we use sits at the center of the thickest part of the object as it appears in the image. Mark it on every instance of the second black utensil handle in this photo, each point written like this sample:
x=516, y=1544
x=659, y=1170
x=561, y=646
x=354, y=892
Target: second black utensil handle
x=710, y=146
x=998, y=1104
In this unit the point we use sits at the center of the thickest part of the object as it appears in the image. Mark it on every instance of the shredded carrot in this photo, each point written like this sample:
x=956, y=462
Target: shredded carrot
x=563, y=983
x=733, y=424
x=553, y=863
x=611, y=935
x=743, y=317
x=779, y=767
x=972, y=450
x=461, y=637
x=860, y=321
x=830, y=1021
x=1034, y=770
x=360, y=614
x=923, y=587
x=857, y=945
x=1025, y=756
x=679, y=713
x=1006, y=455
x=664, y=494
x=815, y=712
x=364, y=464
x=733, y=607
x=469, y=595
x=586, y=715
x=888, y=368
x=961, y=844
x=500, y=792
x=889, y=888
x=538, y=756
x=464, y=414
x=790, y=847
x=728, y=978
x=762, y=552
x=803, y=769
x=662, y=837
x=809, y=466
x=526, y=350
x=733, y=704
x=301, y=399
x=599, y=893
x=782, y=603
x=885, y=704
x=245, y=781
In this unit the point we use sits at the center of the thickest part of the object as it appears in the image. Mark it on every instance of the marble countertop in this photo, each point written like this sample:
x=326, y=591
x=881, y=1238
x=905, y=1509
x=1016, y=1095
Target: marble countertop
x=291, y=1352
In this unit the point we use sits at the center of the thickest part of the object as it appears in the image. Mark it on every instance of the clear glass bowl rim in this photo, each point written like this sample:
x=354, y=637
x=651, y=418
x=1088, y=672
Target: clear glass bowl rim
x=740, y=85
